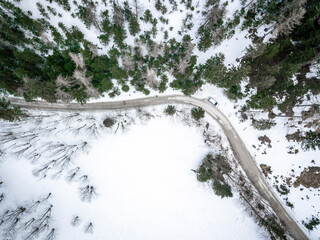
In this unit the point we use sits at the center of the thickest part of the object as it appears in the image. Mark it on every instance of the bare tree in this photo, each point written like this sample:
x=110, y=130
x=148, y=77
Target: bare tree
x=72, y=174
x=46, y=197
x=89, y=228
x=291, y=16
x=80, y=75
x=137, y=8
x=33, y=206
x=28, y=223
x=88, y=193
x=144, y=115
x=128, y=62
x=83, y=178
x=93, y=130
x=51, y=235
x=151, y=79
x=212, y=18
x=75, y=221
x=118, y=17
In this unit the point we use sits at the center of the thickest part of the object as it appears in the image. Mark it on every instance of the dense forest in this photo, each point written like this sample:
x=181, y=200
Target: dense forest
x=39, y=59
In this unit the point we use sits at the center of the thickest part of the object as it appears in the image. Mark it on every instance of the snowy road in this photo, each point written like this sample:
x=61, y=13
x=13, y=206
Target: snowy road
x=240, y=151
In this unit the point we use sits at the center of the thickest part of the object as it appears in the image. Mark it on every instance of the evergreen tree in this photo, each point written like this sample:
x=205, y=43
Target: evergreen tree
x=197, y=113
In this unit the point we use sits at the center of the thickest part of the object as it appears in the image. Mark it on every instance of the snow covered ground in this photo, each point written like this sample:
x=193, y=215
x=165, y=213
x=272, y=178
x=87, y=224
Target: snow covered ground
x=141, y=174
x=283, y=163
x=203, y=204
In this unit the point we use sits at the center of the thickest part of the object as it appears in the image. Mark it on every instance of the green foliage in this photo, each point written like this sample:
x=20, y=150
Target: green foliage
x=8, y=79
x=222, y=189
x=106, y=25
x=311, y=140
x=147, y=17
x=42, y=10
x=125, y=88
x=36, y=87
x=197, y=113
x=274, y=227
x=283, y=189
x=263, y=124
x=204, y=172
x=134, y=26
x=63, y=3
x=170, y=110
x=115, y=92
x=9, y=113
x=99, y=69
x=163, y=83
x=215, y=167
x=313, y=223
x=273, y=69
x=52, y=10
x=119, y=36
x=234, y=92
x=261, y=100
x=10, y=32
x=28, y=63
x=59, y=63
x=214, y=70
x=118, y=73
x=205, y=41
x=82, y=13
x=79, y=94
x=109, y=122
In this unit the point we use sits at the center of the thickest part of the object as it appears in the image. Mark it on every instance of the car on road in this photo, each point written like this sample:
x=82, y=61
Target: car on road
x=213, y=101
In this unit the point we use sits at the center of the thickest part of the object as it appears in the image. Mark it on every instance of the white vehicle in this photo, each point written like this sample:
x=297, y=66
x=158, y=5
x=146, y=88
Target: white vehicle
x=214, y=102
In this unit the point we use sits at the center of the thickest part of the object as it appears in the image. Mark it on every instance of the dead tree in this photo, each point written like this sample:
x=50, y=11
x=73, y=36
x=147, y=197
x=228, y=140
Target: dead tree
x=144, y=115
x=89, y=228
x=88, y=193
x=83, y=178
x=72, y=174
x=28, y=223
x=118, y=17
x=75, y=221
x=51, y=235
x=123, y=121
x=46, y=197
x=36, y=231
x=33, y=206
x=13, y=215
x=93, y=130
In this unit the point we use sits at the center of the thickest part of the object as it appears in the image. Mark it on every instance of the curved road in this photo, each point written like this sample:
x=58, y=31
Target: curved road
x=240, y=150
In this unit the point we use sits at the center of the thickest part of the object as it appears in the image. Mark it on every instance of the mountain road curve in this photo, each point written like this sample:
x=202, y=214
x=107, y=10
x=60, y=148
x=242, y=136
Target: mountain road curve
x=240, y=151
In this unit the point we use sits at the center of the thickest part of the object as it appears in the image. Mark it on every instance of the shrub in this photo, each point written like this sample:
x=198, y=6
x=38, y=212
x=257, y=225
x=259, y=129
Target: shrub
x=263, y=124
x=109, y=122
x=197, y=113
x=125, y=88
x=222, y=189
x=312, y=223
x=282, y=189
x=170, y=110
x=204, y=173
x=311, y=141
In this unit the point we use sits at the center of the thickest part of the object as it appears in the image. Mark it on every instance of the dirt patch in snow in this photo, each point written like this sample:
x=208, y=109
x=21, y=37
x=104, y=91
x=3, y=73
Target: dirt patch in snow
x=265, y=169
x=265, y=140
x=310, y=177
x=294, y=136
